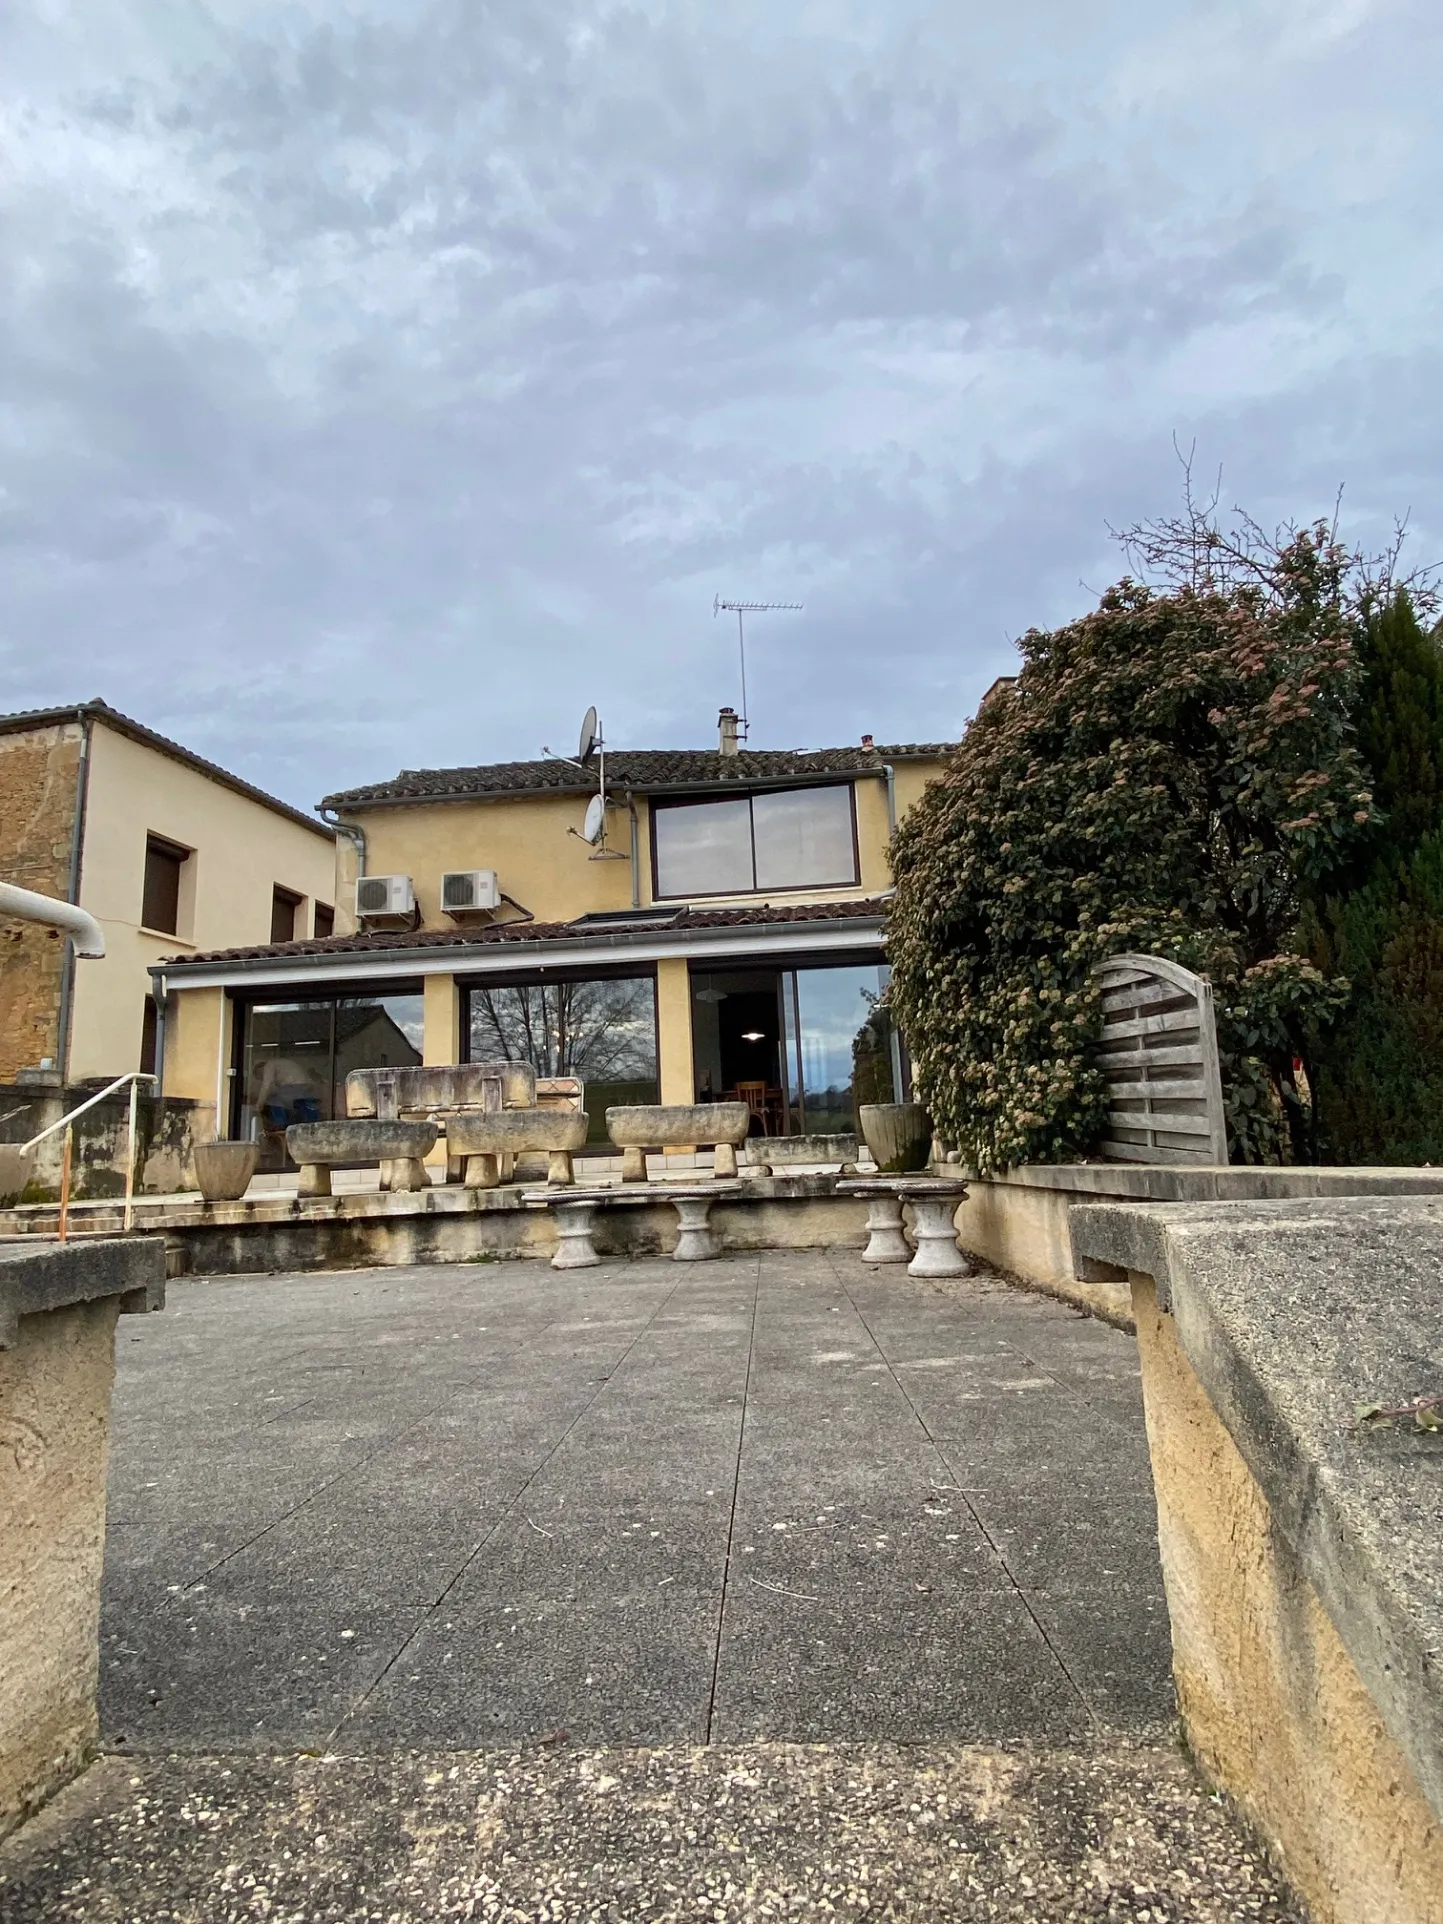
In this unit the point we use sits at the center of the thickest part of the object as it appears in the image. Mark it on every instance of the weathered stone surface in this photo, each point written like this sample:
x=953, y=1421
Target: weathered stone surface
x=1113, y=1832
x=516, y=1131
x=677, y=1125
x=15, y=1171
x=38, y=770
x=1018, y=1221
x=1301, y=1555
x=422, y=1090
x=360, y=1141
x=51, y=1276
x=786, y=1152
x=58, y=1307
x=54, y=1410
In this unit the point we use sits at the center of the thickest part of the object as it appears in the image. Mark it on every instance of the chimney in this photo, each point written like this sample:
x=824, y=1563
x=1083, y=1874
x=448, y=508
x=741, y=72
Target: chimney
x=867, y=742
x=727, y=727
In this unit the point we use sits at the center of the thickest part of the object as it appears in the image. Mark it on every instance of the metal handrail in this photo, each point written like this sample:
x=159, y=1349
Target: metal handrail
x=132, y=1076
x=66, y=1122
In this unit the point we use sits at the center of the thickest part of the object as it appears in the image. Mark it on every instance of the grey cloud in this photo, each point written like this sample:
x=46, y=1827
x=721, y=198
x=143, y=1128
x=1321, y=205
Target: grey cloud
x=384, y=386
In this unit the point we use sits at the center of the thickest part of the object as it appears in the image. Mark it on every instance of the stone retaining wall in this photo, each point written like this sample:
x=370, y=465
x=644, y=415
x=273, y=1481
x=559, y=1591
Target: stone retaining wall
x=57, y=1352
x=1300, y=1555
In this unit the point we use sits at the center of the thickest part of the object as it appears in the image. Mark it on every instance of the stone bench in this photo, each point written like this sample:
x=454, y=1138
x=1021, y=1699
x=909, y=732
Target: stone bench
x=638, y=1127
x=933, y=1201
x=575, y=1214
x=400, y=1148
x=484, y=1140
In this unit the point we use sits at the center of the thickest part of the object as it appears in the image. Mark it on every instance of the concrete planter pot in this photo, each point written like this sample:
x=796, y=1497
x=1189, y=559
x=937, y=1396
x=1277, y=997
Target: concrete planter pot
x=899, y=1135
x=224, y=1169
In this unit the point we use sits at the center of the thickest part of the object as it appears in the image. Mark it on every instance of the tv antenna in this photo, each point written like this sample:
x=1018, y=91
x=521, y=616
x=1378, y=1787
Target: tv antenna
x=741, y=609
x=593, y=830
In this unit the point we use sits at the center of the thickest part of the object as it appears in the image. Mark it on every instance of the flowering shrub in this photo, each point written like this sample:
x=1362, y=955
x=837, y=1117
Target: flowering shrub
x=1161, y=776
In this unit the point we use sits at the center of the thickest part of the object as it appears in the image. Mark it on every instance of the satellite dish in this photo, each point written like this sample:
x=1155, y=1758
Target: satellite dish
x=588, y=740
x=595, y=816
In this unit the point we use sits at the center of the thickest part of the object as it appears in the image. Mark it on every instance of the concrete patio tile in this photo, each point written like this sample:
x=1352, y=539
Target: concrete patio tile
x=882, y=1550
x=510, y=1670
x=806, y=1667
x=1117, y=1647
x=1074, y=1540
x=242, y=1668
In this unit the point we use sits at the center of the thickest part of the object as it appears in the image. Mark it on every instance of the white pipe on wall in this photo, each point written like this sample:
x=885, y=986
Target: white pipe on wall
x=25, y=906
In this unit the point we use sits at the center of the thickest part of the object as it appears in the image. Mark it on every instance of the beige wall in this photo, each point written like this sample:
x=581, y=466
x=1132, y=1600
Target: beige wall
x=557, y=876
x=242, y=851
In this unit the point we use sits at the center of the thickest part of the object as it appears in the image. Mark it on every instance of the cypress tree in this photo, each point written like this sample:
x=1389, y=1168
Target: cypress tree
x=1379, y=1071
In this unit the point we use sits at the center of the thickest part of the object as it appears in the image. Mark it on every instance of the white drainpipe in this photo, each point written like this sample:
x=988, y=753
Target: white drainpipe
x=23, y=905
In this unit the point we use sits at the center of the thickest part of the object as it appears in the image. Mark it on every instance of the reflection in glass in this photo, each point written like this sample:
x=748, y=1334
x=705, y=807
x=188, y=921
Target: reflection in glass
x=803, y=1047
x=296, y=1057
x=843, y=1054
x=704, y=848
x=782, y=839
x=602, y=1030
x=803, y=838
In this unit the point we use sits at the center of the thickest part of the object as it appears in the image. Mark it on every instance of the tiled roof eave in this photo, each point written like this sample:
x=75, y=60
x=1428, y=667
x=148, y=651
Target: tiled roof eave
x=632, y=771
x=692, y=928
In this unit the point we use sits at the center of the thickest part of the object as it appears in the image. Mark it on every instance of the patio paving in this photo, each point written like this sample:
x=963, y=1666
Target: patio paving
x=769, y=1587
x=780, y=1497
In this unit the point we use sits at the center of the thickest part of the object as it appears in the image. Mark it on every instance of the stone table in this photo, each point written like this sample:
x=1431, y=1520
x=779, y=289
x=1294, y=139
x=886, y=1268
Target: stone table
x=575, y=1212
x=934, y=1201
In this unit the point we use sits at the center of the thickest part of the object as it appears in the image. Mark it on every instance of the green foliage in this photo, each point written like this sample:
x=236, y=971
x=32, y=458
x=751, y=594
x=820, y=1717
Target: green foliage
x=1162, y=776
x=1379, y=918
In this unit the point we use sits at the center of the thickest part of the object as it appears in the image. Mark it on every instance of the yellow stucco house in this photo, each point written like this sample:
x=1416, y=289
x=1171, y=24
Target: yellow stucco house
x=168, y=852
x=709, y=925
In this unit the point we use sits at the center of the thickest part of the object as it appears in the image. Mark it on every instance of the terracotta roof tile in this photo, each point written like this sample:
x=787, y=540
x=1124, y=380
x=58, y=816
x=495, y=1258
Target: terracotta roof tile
x=644, y=770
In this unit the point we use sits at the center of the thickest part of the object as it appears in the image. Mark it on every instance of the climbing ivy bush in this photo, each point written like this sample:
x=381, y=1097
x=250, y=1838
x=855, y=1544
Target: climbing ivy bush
x=1163, y=775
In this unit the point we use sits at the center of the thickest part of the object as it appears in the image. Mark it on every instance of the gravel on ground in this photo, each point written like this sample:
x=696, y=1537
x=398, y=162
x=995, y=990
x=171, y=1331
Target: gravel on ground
x=1120, y=1831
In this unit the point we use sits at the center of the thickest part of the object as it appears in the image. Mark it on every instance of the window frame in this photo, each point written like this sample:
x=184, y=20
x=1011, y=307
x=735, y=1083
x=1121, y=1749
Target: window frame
x=281, y=894
x=169, y=851
x=659, y=806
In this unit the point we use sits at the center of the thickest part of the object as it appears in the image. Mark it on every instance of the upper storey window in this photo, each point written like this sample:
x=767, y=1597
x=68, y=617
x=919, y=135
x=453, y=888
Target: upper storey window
x=160, y=898
x=794, y=838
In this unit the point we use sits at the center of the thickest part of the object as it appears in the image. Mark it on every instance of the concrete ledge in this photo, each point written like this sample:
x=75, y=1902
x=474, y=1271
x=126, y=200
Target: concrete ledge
x=452, y=1224
x=51, y=1276
x=58, y=1305
x=1020, y=1221
x=1301, y=1557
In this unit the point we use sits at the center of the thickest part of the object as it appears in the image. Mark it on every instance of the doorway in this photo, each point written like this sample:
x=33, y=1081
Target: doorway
x=802, y=1047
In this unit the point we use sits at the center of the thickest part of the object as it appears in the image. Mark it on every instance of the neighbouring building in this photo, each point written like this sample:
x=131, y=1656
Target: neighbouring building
x=711, y=926
x=168, y=852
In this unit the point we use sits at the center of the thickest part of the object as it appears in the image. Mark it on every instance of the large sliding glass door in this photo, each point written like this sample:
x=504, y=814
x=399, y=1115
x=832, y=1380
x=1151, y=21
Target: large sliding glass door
x=803, y=1047
x=601, y=1028
x=295, y=1057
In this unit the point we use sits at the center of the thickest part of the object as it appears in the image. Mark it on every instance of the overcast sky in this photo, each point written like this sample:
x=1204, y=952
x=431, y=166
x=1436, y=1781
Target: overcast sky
x=385, y=382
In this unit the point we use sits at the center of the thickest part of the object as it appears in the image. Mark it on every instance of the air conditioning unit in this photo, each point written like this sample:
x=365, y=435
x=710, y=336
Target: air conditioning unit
x=468, y=891
x=390, y=895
